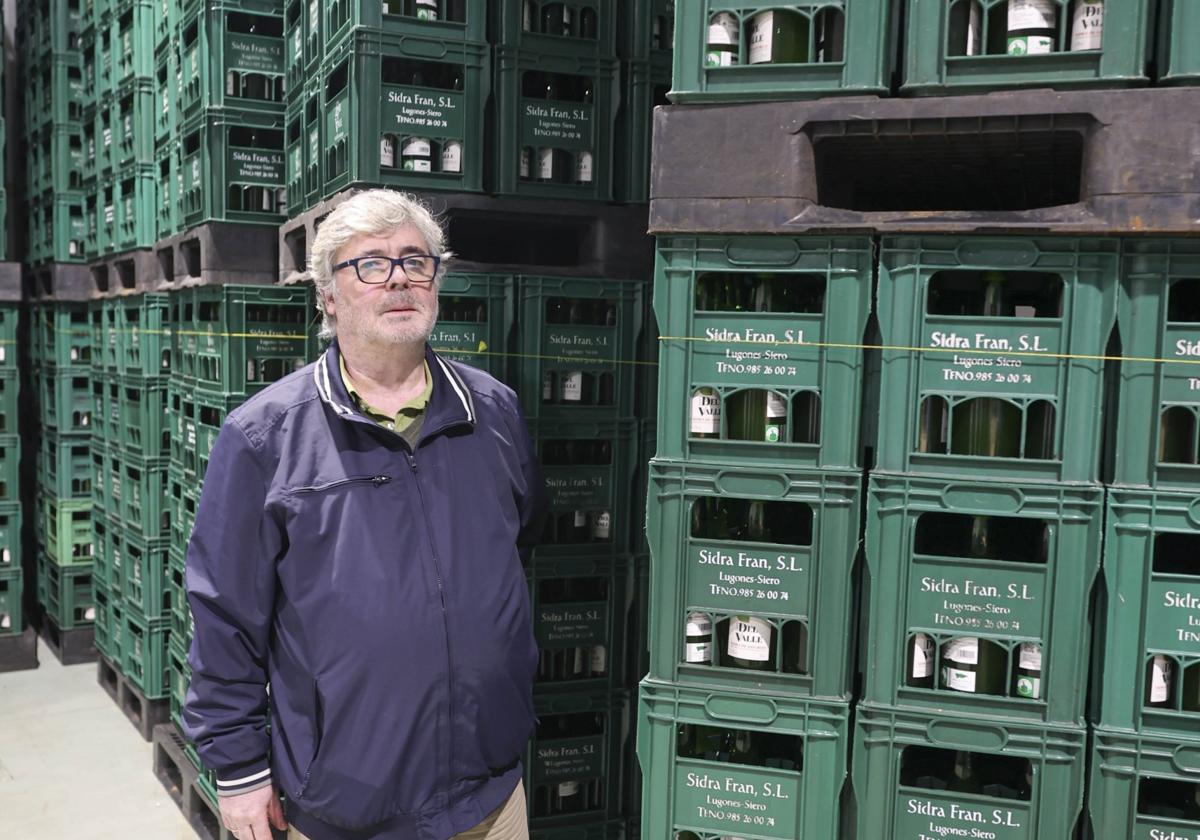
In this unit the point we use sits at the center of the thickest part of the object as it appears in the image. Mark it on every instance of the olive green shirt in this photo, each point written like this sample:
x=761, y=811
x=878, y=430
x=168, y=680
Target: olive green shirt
x=408, y=420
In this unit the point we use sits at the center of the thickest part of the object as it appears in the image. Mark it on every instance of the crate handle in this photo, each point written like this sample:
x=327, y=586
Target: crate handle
x=1186, y=759
x=974, y=497
x=757, y=710
x=762, y=250
x=989, y=253
x=1193, y=513
x=770, y=485
x=976, y=735
x=424, y=49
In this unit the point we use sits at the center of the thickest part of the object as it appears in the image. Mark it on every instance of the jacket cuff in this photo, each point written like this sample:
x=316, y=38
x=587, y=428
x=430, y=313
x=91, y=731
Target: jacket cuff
x=244, y=779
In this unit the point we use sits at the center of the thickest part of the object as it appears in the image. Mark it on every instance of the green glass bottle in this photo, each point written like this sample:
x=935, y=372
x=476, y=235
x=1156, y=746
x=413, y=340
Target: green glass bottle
x=750, y=644
x=920, y=661
x=778, y=37
x=1028, y=678
x=964, y=778
x=1160, y=680
x=985, y=426
x=1032, y=25
x=705, y=419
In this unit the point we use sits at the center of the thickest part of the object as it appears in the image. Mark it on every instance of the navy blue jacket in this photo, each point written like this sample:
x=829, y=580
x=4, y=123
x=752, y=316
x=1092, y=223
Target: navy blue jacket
x=379, y=590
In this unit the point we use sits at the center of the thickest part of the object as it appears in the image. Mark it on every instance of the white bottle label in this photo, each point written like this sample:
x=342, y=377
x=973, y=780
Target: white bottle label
x=547, y=387
x=599, y=660
x=723, y=30
x=974, y=31
x=427, y=10
x=525, y=163
x=583, y=168
x=566, y=789
x=1032, y=14
x=720, y=58
x=958, y=680
x=417, y=153
x=527, y=18
x=572, y=386
x=1029, y=687
x=452, y=156
x=776, y=417
x=546, y=164
x=1087, y=27
x=762, y=32
x=1030, y=45
x=5, y=621
x=89, y=614
x=706, y=413
x=749, y=638
x=698, y=625
x=5, y=556
x=698, y=652
x=963, y=650
x=1029, y=657
x=922, y=656
x=602, y=526
x=1160, y=680
x=577, y=661
x=580, y=519
x=387, y=152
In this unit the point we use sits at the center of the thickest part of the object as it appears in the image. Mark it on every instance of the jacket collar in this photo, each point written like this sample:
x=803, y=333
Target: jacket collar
x=450, y=404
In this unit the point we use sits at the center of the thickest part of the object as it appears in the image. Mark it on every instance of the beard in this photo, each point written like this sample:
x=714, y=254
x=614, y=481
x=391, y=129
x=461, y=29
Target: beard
x=373, y=327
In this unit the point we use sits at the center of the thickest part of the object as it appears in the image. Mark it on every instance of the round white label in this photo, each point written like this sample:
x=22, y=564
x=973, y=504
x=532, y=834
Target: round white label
x=749, y=638
x=922, y=656
x=89, y=614
x=1087, y=27
x=1032, y=14
x=583, y=168
x=1029, y=656
x=706, y=413
x=963, y=650
x=452, y=156
x=387, y=152
x=762, y=32
x=958, y=680
x=723, y=30
x=572, y=386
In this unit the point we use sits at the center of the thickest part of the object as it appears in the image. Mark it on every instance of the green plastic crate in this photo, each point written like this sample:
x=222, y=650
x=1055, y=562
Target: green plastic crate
x=55, y=159
x=54, y=91
x=588, y=468
x=1046, y=371
x=144, y=576
x=143, y=341
x=1159, y=380
x=936, y=47
x=169, y=219
x=801, y=588
x=578, y=607
x=1141, y=786
x=183, y=626
x=10, y=536
x=140, y=490
x=9, y=384
x=384, y=89
x=67, y=595
x=858, y=59
x=1152, y=595
x=180, y=677
x=710, y=798
x=891, y=747
x=10, y=464
x=304, y=123
x=183, y=497
x=577, y=747
x=475, y=320
x=644, y=85
x=646, y=31
x=132, y=40
x=303, y=41
x=10, y=317
x=136, y=204
x=1177, y=56
x=142, y=418
x=106, y=532
x=232, y=58
x=555, y=125
x=211, y=411
x=578, y=339
x=144, y=653
x=11, y=588
x=49, y=26
x=66, y=401
x=166, y=23
x=647, y=452
x=342, y=18
x=61, y=336
x=240, y=339
x=103, y=346
x=58, y=229
x=132, y=109
x=233, y=167
x=1034, y=589
x=580, y=28
x=168, y=90
x=65, y=529
x=65, y=468
x=103, y=628
x=731, y=353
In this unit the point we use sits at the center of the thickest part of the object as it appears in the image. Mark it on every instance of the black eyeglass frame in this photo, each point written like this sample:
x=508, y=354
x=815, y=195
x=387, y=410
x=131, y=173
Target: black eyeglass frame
x=395, y=261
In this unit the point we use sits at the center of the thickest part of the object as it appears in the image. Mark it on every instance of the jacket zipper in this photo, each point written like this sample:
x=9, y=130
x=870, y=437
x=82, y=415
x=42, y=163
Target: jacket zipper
x=437, y=570
x=377, y=480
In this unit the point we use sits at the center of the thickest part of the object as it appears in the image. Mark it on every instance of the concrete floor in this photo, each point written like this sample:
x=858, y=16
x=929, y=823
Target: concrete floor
x=71, y=766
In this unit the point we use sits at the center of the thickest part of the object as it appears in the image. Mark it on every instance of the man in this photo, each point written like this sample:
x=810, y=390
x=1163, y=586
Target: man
x=356, y=550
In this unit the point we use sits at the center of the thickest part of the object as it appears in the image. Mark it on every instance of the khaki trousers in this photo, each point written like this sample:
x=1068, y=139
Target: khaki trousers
x=505, y=823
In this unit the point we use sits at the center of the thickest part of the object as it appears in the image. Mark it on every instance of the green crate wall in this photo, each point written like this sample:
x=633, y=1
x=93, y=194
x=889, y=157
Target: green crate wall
x=10, y=536
x=916, y=585
x=554, y=141
x=55, y=158
x=1159, y=401
x=57, y=228
x=11, y=588
x=577, y=28
x=232, y=56
x=233, y=167
x=801, y=589
x=55, y=91
x=936, y=47
x=1144, y=786
x=305, y=169
x=362, y=107
x=144, y=653
x=729, y=352
x=1177, y=56
x=453, y=21
x=780, y=801
x=49, y=26
x=644, y=85
x=475, y=320
x=892, y=801
x=66, y=593
x=65, y=465
x=857, y=61
x=646, y=31
x=1027, y=362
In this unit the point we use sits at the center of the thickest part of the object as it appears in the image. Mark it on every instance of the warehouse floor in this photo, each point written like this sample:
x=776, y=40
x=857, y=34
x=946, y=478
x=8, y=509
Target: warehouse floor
x=71, y=766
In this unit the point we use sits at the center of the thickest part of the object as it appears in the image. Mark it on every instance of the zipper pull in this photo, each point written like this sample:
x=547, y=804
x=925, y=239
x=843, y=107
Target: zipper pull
x=412, y=462
x=380, y=480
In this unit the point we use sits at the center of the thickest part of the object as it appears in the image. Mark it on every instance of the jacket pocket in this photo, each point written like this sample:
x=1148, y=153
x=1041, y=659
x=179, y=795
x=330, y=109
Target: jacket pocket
x=377, y=480
x=318, y=737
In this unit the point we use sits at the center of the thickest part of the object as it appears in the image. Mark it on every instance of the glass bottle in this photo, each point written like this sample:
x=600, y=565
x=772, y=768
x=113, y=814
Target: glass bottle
x=1028, y=681
x=1032, y=25
x=778, y=37
x=920, y=661
x=750, y=643
x=721, y=48
x=1160, y=679
x=1087, y=25
x=698, y=639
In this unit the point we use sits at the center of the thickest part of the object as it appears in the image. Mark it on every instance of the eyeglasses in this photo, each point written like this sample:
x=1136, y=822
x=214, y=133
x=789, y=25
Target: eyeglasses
x=420, y=269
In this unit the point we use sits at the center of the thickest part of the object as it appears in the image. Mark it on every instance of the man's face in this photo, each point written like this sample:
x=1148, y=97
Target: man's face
x=391, y=313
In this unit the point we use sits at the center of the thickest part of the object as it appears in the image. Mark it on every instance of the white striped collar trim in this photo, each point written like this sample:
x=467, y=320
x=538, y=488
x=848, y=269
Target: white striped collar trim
x=245, y=779
x=460, y=388
x=321, y=377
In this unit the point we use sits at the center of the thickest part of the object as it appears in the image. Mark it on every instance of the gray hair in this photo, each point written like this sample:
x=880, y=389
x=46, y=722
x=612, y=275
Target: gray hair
x=377, y=212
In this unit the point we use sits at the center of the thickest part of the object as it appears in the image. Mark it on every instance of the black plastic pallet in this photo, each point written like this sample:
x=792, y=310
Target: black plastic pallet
x=508, y=235
x=217, y=253
x=1083, y=162
x=126, y=273
x=144, y=713
x=181, y=779
x=70, y=647
x=58, y=281
x=18, y=652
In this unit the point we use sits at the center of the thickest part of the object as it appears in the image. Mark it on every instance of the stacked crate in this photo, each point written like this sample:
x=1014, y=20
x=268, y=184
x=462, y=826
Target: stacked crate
x=752, y=519
x=61, y=353
x=12, y=574
x=226, y=344
x=49, y=37
x=1146, y=690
